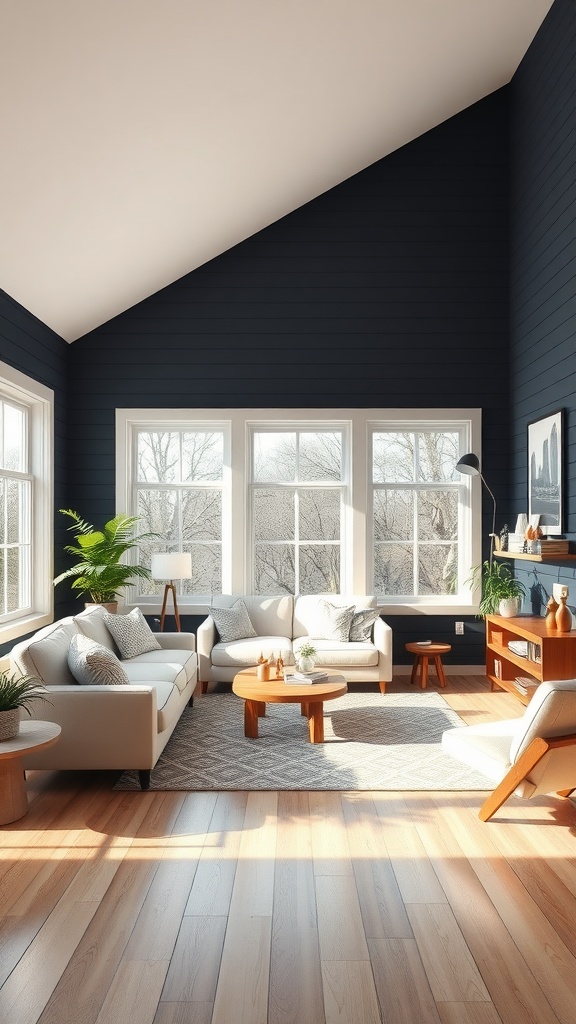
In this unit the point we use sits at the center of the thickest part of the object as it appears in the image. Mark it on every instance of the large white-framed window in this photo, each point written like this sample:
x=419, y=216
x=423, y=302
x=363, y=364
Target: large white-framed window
x=328, y=500
x=26, y=504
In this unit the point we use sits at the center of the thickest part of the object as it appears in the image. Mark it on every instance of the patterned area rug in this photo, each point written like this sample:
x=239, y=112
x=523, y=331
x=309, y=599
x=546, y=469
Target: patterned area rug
x=371, y=743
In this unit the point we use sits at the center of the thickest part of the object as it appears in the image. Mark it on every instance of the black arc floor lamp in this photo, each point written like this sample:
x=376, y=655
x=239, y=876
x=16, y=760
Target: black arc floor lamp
x=469, y=465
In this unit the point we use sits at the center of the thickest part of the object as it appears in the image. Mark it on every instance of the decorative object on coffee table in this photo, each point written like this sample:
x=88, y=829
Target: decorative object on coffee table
x=422, y=654
x=305, y=656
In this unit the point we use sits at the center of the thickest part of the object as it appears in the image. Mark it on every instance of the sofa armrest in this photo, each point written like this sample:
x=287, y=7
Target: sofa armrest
x=382, y=636
x=102, y=727
x=206, y=637
x=176, y=641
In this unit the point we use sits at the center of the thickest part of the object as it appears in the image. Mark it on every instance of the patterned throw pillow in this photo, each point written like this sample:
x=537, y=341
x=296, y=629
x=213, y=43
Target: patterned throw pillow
x=362, y=622
x=233, y=623
x=91, y=664
x=131, y=633
x=332, y=621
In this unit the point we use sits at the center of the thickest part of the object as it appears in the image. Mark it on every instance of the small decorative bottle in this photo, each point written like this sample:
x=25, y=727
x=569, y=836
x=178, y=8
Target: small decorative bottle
x=551, y=609
x=280, y=666
x=563, y=617
x=263, y=670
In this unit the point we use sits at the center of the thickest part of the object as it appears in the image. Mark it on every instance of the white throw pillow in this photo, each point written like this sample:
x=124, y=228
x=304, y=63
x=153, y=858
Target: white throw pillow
x=131, y=633
x=91, y=664
x=233, y=623
x=332, y=621
x=362, y=622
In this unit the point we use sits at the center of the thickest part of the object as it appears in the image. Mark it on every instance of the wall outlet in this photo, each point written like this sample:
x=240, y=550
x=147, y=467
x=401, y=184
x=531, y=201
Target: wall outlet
x=559, y=590
x=459, y=629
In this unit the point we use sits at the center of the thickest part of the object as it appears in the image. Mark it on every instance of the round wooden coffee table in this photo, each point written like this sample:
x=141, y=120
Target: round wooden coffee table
x=422, y=655
x=32, y=736
x=310, y=696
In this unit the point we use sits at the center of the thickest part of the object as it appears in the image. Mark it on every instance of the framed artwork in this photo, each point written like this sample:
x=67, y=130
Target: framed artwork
x=545, y=476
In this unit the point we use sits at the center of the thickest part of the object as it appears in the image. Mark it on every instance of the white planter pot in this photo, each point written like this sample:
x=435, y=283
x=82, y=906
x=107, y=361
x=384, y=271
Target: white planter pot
x=509, y=607
x=305, y=664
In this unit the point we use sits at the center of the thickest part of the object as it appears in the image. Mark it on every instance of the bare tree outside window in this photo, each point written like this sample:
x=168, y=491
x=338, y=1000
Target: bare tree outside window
x=297, y=495
x=415, y=512
x=179, y=495
x=15, y=511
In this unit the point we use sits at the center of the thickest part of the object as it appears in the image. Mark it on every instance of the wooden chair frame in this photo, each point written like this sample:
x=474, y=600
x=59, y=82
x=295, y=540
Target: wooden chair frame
x=521, y=770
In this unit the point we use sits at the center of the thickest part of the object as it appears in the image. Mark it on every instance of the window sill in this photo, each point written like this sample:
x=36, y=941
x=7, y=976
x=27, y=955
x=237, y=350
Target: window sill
x=21, y=627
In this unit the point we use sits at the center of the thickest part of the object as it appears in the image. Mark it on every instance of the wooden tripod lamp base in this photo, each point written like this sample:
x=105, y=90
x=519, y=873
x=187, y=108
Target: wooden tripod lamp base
x=171, y=565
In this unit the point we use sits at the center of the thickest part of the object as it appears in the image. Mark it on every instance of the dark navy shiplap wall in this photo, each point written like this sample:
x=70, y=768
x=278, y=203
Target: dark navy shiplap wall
x=390, y=290
x=543, y=262
x=31, y=347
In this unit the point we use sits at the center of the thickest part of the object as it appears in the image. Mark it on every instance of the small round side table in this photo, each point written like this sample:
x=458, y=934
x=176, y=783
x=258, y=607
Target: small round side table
x=32, y=736
x=422, y=655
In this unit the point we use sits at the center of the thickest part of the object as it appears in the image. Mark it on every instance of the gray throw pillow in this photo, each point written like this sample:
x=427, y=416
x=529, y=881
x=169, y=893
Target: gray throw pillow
x=233, y=623
x=332, y=621
x=132, y=633
x=91, y=664
x=362, y=622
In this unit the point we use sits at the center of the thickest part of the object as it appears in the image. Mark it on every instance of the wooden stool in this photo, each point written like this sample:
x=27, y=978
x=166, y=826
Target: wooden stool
x=423, y=654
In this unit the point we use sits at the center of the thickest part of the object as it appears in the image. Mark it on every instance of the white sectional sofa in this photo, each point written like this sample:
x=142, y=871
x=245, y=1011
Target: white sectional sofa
x=108, y=726
x=280, y=623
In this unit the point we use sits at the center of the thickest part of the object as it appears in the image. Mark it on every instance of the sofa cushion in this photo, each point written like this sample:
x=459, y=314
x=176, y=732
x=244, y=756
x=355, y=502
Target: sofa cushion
x=333, y=654
x=91, y=623
x=270, y=616
x=362, y=622
x=331, y=621
x=305, y=609
x=46, y=655
x=92, y=664
x=233, y=623
x=131, y=633
x=178, y=667
x=245, y=653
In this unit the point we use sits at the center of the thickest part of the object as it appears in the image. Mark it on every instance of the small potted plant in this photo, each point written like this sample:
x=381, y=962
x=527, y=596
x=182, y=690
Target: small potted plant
x=502, y=593
x=100, y=573
x=306, y=654
x=16, y=692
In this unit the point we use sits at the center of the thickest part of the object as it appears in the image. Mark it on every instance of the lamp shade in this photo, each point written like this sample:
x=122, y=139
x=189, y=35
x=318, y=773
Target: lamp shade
x=469, y=465
x=171, y=565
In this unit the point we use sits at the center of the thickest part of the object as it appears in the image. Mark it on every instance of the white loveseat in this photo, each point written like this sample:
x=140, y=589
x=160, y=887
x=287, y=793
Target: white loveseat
x=280, y=623
x=108, y=727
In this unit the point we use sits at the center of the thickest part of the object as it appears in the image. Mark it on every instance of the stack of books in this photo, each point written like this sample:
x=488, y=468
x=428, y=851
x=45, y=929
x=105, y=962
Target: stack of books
x=526, y=684
x=554, y=547
x=305, y=677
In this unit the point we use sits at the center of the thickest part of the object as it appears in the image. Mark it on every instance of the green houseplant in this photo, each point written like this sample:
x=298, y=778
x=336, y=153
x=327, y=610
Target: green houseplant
x=498, y=586
x=16, y=692
x=305, y=656
x=99, y=571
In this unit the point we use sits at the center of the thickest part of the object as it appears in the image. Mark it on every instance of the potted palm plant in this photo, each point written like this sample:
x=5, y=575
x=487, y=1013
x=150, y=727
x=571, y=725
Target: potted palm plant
x=16, y=692
x=502, y=593
x=99, y=571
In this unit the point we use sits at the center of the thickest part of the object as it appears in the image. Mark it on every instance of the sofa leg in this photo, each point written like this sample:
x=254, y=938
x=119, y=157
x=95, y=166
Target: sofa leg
x=144, y=776
x=191, y=702
x=382, y=686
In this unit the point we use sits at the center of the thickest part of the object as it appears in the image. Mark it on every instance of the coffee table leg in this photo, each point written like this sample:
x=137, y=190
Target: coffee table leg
x=251, y=715
x=316, y=722
x=14, y=800
x=423, y=672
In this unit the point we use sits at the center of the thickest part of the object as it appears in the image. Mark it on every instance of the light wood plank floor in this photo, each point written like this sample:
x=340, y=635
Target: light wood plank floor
x=288, y=908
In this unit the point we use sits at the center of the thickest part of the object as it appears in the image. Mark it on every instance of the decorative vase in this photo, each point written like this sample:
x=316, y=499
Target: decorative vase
x=563, y=617
x=9, y=723
x=551, y=609
x=509, y=607
x=306, y=663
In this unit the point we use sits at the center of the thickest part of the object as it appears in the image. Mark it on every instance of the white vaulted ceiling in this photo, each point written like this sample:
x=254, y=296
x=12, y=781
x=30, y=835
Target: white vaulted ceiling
x=141, y=138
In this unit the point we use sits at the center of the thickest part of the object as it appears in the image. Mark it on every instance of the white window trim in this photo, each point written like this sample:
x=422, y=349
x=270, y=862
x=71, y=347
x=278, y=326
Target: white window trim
x=356, y=574
x=39, y=400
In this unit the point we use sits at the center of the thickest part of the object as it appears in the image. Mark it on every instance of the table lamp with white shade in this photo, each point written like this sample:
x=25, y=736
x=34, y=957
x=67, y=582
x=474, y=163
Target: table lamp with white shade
x=171, y=565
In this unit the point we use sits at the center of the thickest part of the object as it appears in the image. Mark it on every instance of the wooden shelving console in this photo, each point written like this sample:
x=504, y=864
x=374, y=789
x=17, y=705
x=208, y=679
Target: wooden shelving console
x=557, y=653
